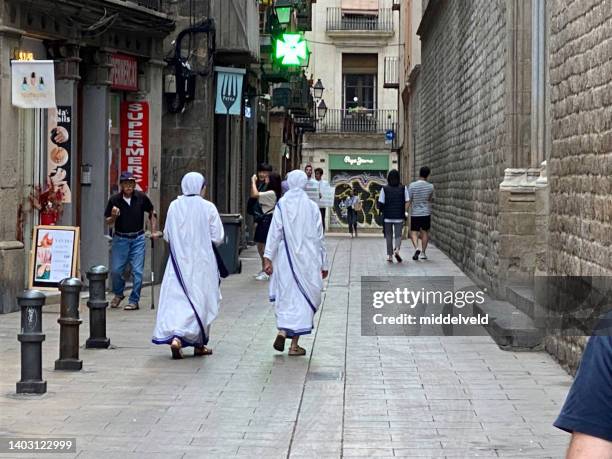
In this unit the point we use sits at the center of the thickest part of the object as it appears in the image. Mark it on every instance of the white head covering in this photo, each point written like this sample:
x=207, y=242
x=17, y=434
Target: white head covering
x=297, y=179
x=192, y=184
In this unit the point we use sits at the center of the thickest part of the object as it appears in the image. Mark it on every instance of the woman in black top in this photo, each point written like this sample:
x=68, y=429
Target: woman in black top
x=392, y=202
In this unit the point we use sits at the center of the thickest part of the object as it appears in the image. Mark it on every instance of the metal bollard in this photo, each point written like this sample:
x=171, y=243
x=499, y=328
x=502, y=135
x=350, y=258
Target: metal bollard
x=97, y=305
x=31, y=338
x=69, y=325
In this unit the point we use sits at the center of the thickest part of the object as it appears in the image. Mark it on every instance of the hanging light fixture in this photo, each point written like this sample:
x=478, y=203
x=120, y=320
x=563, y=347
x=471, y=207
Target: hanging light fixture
x=321, y=109
x=283, y=10
x=318, y=89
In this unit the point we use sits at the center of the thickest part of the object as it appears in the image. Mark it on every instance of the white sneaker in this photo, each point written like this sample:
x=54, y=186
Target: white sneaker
x=255, y=276
x=262, y=277
x=423, y=256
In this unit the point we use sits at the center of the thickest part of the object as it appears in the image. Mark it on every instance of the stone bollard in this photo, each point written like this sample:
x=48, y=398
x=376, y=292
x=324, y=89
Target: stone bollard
x=97, y=305
x=31, y=338
x=69, y=325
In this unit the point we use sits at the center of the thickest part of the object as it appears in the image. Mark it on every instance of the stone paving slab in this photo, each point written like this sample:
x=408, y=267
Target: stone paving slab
x=351, y=396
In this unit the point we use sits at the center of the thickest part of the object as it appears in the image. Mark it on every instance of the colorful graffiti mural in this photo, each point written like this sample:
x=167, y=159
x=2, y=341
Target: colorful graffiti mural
x=367, y=186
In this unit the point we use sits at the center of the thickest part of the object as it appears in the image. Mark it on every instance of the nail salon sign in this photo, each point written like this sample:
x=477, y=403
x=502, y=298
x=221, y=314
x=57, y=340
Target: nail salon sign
x=135, y=141
x=33, y=84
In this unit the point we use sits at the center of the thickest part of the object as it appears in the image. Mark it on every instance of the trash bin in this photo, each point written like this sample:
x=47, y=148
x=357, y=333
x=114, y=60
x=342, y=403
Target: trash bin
x=229, y=250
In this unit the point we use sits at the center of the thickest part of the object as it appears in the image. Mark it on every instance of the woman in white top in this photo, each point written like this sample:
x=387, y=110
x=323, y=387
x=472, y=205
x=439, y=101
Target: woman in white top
x=267, y=201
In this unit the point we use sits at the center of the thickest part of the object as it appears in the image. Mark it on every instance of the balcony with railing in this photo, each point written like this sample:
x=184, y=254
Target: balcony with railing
x=391, y=72
x=341, y=22
x=357, y=121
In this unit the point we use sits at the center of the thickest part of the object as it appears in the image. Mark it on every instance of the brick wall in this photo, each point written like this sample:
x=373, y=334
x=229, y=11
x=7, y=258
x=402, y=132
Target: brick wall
x=462, y=132
x=580, y=163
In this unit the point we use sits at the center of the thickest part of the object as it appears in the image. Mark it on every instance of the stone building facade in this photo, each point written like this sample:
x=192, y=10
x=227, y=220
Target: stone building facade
x=469, y=132
x=580, y=160
x=512, y=110
x=88, y=43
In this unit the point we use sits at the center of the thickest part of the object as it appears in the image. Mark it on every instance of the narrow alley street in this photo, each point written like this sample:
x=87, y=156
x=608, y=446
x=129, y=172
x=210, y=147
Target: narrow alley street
x=350, y=396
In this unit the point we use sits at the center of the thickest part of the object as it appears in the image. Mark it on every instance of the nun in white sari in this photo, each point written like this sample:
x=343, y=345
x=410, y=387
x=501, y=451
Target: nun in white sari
x=190, y=294
x=296, y=258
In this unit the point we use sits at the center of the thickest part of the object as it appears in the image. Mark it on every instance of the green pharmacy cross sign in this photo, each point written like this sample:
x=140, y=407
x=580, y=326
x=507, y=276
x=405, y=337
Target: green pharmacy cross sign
x=291, y=49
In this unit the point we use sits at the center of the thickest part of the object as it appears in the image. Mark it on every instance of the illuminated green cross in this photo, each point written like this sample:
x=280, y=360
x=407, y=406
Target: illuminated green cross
x=292, y=49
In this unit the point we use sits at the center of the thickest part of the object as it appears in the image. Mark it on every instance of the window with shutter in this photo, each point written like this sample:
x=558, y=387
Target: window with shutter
x=360, y=6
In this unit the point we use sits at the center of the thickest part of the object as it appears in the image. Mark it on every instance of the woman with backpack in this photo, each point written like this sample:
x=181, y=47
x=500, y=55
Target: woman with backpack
x=267, y=201
x=393, y=203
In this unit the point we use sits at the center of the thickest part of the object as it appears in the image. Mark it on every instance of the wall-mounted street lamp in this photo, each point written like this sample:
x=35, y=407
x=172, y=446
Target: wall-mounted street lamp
x=283, y=10
x=321, y=109
x=317, y=89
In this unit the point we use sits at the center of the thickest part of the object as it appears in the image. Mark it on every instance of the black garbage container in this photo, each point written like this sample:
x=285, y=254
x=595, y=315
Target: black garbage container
x=230, y=249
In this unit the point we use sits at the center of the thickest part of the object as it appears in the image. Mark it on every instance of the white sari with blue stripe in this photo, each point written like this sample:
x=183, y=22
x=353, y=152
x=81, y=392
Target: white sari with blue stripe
x=296, y=246
x=190, y=295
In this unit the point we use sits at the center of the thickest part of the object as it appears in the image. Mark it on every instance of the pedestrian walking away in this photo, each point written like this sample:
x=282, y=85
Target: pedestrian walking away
x=321, y=184
x=125, y=210
x=393, y=203
x=352, y=205
x=421, y=194
x=296, y=259
x=190, y=292
x=266, y=200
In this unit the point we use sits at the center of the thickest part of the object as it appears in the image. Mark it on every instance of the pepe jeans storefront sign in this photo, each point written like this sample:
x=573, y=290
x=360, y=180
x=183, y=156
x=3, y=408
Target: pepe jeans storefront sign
x=359, y=162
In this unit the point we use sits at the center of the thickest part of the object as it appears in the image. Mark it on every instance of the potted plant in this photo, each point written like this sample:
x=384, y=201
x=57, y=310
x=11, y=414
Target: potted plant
x=48, y=202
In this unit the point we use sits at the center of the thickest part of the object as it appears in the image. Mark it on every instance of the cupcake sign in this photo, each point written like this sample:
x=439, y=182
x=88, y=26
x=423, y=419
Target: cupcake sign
x=33, y=84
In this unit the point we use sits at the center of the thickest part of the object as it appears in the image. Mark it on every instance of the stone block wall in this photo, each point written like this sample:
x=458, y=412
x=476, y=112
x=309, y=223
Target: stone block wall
x=187, y=137
x=580, y=163
x=462, y=128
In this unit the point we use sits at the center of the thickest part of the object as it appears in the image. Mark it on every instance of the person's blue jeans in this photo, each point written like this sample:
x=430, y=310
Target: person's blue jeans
x=126, y=250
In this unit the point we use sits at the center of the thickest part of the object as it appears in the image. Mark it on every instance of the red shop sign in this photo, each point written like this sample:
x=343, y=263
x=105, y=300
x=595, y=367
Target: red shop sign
x=124, y=73
x=135, y=141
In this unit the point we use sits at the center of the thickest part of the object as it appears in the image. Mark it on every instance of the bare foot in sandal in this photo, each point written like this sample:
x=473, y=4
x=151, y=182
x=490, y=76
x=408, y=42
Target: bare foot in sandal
x=200, y=351
x=297, y=350
x=175, y=347
x=279, y=342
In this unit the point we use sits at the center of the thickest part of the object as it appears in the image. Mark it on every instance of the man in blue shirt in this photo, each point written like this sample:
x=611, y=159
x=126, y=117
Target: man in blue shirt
x=587, y=412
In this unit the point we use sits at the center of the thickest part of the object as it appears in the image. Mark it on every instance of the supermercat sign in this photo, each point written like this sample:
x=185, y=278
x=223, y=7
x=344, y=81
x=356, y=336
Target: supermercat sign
x=359, y=162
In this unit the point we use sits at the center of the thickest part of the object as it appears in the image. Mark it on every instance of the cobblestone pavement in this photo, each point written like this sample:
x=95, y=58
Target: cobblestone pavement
x=350, y=396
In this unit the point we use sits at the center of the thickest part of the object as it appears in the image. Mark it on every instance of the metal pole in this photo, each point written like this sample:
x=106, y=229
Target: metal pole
x=31, y=338
x=152, y=272
x=97, y=305
x=69, y=325
x=227, y=162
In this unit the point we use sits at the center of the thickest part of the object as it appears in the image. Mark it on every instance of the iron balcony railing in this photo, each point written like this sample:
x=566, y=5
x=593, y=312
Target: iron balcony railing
x=391, y=72
x=358, y=121
x=342, y=20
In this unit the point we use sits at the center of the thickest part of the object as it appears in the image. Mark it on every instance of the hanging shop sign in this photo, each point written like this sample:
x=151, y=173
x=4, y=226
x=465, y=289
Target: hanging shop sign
x=54, y=256
x=135, y=141
x=59, y=149
x=124, y=72
x=33, y=84
x=359, y=162
x=229, y=90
